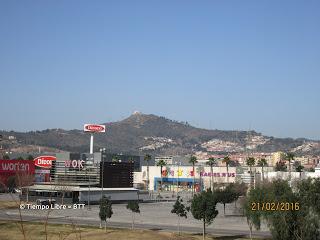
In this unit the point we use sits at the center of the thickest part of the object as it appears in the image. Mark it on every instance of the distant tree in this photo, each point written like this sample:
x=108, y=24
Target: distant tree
x=211, y=162
x=11, y=183
x=115, y=158
x=193, y=161
x=105, y=210
x=311, y=169
x=238, y=189
x=280, y=167
x=30, y=157
x=134, y=207
x=224, y=196
x=251, y=162
x=161, y=163
x=20, y=158
x=226, y=160
x=6, y=157
x=131, y=159
x=299, y=168
x=203, y=207
x=147, y=158
x=253, y=217
x=262, y=163
x=180, y=209
x=289, y=157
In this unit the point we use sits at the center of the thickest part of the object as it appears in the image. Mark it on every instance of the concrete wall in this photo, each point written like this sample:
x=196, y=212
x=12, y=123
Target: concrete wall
x=119, y=195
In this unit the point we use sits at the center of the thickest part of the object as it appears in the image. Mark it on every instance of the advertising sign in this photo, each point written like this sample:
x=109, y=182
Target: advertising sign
x=94, y=128
x=187, y=173
x=44, y=161
x=14, y=166
x=74, y=164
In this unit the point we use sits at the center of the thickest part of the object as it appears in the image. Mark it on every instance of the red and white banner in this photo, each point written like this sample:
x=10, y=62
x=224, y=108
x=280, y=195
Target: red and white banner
x=44, y=161
x=94, y=128
x=14, y=166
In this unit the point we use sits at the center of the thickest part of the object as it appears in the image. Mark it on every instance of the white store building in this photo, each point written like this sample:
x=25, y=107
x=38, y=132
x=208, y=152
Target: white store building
x=180, y=178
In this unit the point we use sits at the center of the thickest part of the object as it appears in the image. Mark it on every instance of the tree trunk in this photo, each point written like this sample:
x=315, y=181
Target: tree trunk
x=132, y=226
x=194, y=175
x=227, y=173
x=204, y=229
x=250, y=177
x=224, y=209
x=211, y=185
x=105, y=225
x=290, y=171
x=178, y=225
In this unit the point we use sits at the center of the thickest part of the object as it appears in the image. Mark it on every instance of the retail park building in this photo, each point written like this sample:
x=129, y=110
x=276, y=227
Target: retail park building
x=72, y=177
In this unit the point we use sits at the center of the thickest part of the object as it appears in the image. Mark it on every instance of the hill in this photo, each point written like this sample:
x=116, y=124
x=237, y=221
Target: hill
x=142, y=133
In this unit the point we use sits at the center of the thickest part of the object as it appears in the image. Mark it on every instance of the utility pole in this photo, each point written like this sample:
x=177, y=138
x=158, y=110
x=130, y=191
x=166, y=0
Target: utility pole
x=103, y=151
x=88, y=177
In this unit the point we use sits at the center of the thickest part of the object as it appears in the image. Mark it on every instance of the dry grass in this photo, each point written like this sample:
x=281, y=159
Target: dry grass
x=9, y=204
x=35, y=231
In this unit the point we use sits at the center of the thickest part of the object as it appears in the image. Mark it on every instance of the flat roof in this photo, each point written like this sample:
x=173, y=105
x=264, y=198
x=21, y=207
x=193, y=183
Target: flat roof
x=75, y=188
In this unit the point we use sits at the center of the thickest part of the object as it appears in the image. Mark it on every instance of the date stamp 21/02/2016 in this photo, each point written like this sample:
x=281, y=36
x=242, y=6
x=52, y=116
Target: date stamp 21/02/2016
x=275, y=206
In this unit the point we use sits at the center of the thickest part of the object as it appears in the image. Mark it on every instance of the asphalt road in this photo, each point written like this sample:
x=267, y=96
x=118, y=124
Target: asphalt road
x=154, y=216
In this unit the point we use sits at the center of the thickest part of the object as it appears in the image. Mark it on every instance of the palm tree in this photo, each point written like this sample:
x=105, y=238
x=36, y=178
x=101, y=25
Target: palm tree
x=289, y=156
x=299, y=168
x=211, y=162
x=161, y=163
x=147, y=158
x=227, y=161
x=262, y=163
x=251, y=162
x=115, y=158
x=193, y=161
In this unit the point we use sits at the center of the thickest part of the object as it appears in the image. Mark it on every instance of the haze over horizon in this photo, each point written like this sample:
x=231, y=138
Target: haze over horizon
x=218, y=65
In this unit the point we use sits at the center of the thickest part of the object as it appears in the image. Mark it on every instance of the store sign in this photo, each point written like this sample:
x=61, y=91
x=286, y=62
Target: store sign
x=74, y=164
x=14, y=166
x=94, y=128
x=186, y=173
x=44, y=161
x=208, y=174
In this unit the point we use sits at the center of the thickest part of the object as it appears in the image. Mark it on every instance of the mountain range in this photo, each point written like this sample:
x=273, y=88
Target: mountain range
x=148, y=133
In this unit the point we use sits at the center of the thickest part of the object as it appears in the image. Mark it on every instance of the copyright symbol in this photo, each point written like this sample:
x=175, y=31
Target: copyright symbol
x=22, y=206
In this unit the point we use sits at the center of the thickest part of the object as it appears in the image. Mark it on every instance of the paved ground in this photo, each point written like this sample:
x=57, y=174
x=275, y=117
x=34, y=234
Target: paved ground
x=153, y=215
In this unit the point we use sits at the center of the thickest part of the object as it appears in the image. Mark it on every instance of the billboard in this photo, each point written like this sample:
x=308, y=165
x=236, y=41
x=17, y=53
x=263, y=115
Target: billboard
x=16, y=166
x=44, y=161
x=94, y=128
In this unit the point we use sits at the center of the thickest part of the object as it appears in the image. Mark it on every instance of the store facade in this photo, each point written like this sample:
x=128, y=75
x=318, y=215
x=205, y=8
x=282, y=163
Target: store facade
x=182, y=178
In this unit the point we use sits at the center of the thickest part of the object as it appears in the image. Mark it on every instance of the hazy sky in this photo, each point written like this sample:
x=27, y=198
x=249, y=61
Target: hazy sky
x=216, y=64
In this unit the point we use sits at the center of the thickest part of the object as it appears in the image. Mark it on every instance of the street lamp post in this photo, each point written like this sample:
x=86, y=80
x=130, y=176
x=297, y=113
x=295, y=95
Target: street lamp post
x=103, y=151
x=88, y=176
x=178, y=183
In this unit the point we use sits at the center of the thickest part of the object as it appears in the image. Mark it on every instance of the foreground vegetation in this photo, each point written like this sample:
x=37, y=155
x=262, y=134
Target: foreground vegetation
x=36, y=231
x=292, y=213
